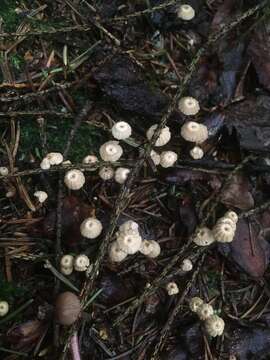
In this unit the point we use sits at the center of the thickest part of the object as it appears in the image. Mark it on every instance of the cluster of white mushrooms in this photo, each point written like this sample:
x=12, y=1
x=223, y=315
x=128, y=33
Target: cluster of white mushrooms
x=223, y=231
x=4, y=308
x=214, y=324
x=129, y=241
x=78, y=263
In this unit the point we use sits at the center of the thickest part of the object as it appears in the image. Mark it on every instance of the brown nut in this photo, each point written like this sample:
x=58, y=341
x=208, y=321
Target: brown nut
x=67, y=308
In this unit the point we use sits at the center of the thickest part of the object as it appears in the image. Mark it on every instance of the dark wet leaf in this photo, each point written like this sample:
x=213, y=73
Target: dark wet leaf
x=222, y=16
x=25, y=334
x=249, y=248
x=187, y=214
x=123, y=83
x=251, y=120
x=176, y=354
x=259, y=51
x=214, y=123
x=237, y=193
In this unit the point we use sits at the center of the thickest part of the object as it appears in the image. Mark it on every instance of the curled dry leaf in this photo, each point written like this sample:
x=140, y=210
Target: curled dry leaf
x=25, y=335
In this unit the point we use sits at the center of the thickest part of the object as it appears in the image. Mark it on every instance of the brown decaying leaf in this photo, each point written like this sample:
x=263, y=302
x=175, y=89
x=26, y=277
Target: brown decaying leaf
x=25, y=335
x=236, y=193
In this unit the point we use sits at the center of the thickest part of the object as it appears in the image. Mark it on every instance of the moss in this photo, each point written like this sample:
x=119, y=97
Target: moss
x=8, y=14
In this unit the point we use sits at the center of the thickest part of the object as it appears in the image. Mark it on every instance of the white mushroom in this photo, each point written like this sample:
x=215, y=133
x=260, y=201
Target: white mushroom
x=4, y=308
x=214, y=326
x=3, y=171
x=115, y=253
x=66, y=270
x=129, y=243
x=91, y=228
x=164, y=136
x=228, y=221
x=186, y=12
x=155, y=252
x=106, y=173
x=90, y=160
x=81, y=262
x=42, y=196
x=203, y=236
x=55, y=158
x=195, y=303
x=172, y=288
x=146, y=247
x=129, y=225
x=155, y=157
x=231, y=215
x=110, y=151
x=121, y=175
x=194, y=132
x=188, y=105
x=74, y=179
x=168, y=158
x=186, y=265
x=45, y=164
x=223, y=232
x=196, y=153
x=205, y=311
x=67, y=261
x=121, y=130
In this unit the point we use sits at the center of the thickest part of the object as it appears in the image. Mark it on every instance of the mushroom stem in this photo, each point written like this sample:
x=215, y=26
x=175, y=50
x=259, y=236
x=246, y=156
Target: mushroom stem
x=74, y=347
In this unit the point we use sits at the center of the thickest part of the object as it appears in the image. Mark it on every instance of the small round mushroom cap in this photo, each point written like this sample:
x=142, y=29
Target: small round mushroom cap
x=110, y=151
x=81, y=263
x=106, y=173
x=172, y=288
x=194, y=132
x=168, y=158
x=186, y=265
x=55, y=158
x=146, y=247
x=115, y=253
x=91, y=228
x=203, y=236
x=155, y=249
x=42, y=196
x=164, y=136
x=3, y=171
x=231, y=215
x=121, y=130
x=196, y=153
x=45, y=164
x=4, y=308
x=214, y=325
x=188, y=105
x=121, y=175
x=129, y=225
x=130, y=243
x=155, y=157
x=67, y=308
x=205, y=311
x=74, y=179
x=195, y=303
x=186, y=12
x=223, y=233
x=90, y=160
x=67, y=261
x=228, y=221
x=66, y=270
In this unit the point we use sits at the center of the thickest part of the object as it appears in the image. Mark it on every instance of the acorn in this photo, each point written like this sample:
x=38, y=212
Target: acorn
x=67, y=308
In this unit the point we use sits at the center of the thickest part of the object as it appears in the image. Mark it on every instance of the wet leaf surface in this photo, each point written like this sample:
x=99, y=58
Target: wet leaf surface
x=25, y=335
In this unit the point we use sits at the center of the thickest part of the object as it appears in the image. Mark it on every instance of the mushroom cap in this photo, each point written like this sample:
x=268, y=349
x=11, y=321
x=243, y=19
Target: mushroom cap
x=168, y=158
x=226, y=220
x=186, y=12
x=129, y=243
x=67, y=261
x=156, y=250
x=146, y=247
x=129, y=225
x=164, y=136
x=194, y=132
x=106, y=173
x=91, y=228
x=172, y=288
x=121, y=130
x=41, y=196
x=81, y=262
x=74, y=179
x=205, y=311
x=110, y=151
x=90, y=160
x=195, y=303
x=55, y=158
x=196, y=153
x=214, y=325
x=67, y=308
x=45, y=164
x=121, y=175
x=115, y=253
x=66, y=270
x=4, y=308
x=3, y=171
x=188, y=105
x=203, y=236
x=223, y=232
x=231, y=215
x=186, y=265
x=155, y=157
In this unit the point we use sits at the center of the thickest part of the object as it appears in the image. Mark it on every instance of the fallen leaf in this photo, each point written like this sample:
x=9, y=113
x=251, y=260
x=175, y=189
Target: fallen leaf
x=25, y=335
